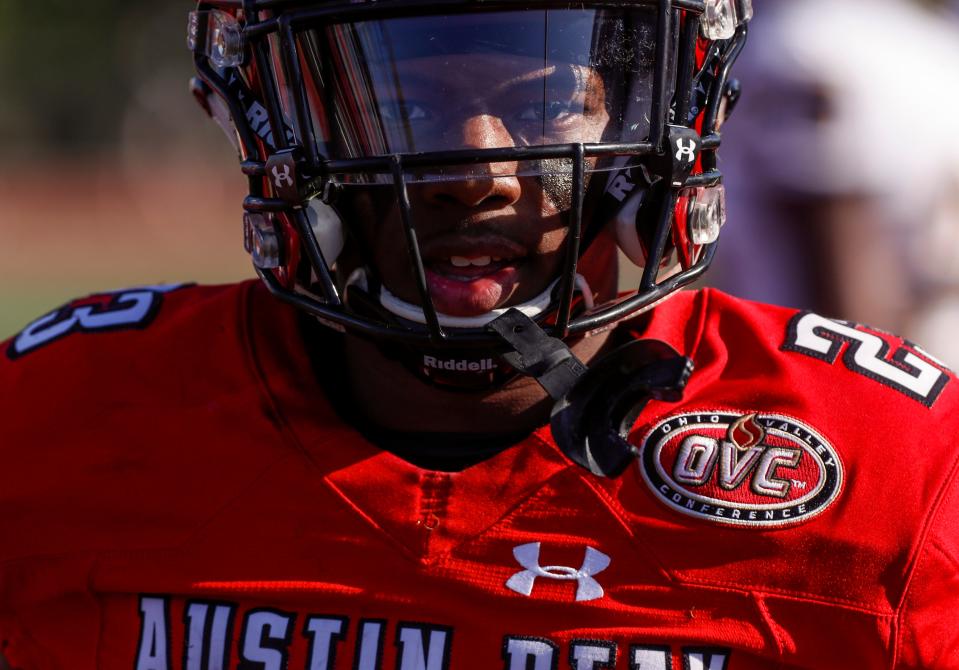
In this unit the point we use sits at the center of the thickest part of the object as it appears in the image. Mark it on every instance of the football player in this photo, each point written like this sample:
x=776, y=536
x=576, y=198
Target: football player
x=433, y=435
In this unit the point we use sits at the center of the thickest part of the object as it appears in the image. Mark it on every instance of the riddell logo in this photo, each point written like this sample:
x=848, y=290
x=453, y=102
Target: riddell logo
x=743, y=469
x=454, y=365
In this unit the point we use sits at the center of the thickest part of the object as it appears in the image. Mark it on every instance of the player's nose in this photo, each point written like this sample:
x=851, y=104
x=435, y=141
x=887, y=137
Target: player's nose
x=485, y=184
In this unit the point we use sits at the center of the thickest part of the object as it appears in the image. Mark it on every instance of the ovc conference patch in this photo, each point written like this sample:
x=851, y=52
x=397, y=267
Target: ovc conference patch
x=741, y=468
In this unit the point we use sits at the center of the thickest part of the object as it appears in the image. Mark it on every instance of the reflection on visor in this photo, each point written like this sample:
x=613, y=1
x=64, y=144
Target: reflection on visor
x=480, y=81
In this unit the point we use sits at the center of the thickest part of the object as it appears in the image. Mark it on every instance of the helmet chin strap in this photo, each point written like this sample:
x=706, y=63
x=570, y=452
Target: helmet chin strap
x=594, y=407
x=452, y=369
x=410, y=312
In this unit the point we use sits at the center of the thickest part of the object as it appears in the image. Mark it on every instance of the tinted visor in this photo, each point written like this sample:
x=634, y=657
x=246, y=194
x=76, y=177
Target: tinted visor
x=479, y=81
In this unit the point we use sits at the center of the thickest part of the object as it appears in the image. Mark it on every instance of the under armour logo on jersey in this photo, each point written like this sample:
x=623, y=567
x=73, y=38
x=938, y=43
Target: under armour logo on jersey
x=587, y=588
x=685, y=152
x=282, y=178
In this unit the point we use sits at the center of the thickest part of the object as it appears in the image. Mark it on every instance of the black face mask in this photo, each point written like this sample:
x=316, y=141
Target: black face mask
x=326, y=106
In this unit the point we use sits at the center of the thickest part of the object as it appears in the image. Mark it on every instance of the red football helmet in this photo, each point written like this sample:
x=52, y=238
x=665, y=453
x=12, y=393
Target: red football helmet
x=352, y=121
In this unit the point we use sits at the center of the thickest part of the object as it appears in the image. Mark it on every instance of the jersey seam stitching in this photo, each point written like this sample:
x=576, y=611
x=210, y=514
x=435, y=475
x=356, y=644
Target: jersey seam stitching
x=438, y=558
x=190, y=536
x=256, y=371
x=919, y=554
x=952, y=560
x=788, y=595
x=510, y=512
x=342, y=495
x=766, y=615
x=701, y=326
x=619, y=513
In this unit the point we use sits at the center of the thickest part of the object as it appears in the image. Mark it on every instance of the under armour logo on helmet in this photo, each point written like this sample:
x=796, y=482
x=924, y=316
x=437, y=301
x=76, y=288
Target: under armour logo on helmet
x=685, y=152
x=587, y=588
x=282, y=178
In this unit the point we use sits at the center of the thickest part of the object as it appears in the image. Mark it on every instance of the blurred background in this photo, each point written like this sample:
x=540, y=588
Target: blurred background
x=110, y=174
x=842, y=161
x=842, y=166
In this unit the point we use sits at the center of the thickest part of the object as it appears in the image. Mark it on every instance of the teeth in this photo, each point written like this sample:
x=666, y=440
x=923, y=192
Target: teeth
x=463, y=262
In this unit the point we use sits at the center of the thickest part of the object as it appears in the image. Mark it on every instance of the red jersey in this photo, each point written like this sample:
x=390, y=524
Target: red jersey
x=177, y=492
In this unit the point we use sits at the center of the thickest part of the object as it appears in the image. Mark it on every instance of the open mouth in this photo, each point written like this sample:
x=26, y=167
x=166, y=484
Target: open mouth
x=463, y=268
x=473, y=282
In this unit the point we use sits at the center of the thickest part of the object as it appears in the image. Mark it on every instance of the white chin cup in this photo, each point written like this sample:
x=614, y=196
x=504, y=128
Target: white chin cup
x=327, y=227
x=410, y=312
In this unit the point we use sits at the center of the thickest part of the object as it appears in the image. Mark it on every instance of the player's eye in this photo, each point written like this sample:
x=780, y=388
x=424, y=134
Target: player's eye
x=552, y=111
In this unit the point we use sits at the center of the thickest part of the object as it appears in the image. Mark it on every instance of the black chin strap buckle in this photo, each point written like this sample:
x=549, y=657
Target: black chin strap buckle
x=592, y=423
x=538, y=355
x=595, y=407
